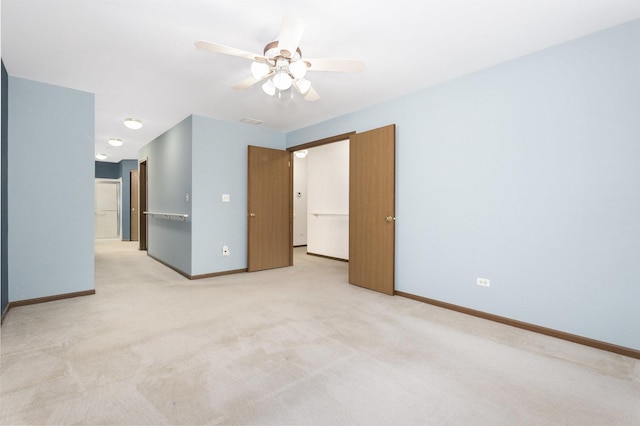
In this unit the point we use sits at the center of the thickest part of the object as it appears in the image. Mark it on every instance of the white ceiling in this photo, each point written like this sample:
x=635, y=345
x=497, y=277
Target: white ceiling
x=139, y=59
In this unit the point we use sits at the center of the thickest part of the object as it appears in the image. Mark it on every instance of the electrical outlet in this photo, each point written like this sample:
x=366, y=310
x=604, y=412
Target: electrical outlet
x=484, y=282
x=225, y=251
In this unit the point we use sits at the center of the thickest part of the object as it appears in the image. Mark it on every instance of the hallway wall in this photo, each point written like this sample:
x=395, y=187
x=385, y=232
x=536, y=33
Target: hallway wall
x=169, y=172
x=220, y=167
x=4, y=228
x=50, y=203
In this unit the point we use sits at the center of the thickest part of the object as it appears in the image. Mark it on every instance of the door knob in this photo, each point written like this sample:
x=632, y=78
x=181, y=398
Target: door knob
x=389, y=219
x=252, y=214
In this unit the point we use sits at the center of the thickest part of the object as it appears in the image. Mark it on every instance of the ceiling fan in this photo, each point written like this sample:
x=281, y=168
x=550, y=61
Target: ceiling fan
x=281, y=63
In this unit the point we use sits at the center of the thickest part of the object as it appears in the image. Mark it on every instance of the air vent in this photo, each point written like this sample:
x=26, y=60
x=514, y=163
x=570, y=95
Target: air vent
x=252, y=121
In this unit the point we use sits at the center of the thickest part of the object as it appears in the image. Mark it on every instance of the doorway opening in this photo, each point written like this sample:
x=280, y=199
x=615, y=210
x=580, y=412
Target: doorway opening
x=371, y=207
x=107, y=209
x=321, y=200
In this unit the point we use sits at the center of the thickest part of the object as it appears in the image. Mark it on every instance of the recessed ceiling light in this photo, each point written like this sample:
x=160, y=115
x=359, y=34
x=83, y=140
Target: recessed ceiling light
x=133, y=123
x=115, y=142
x=100, y=156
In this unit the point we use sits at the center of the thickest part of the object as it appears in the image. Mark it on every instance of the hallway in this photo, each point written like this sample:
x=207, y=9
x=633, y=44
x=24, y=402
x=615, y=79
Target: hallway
x=295, y=345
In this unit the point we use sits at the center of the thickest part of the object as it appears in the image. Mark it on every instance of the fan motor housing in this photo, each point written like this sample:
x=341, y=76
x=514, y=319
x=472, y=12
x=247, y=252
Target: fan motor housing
x=279, y=54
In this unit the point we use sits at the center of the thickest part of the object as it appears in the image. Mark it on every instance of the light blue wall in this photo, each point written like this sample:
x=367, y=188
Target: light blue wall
x=168, y=181
x=50, y=191
x=220, y=167
x=527, y=173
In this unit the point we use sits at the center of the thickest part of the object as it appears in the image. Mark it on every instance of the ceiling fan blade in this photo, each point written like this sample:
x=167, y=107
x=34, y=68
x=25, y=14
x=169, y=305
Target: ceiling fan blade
x=226, y=50
x=290, y=36
x=335, y=65
x=311, y=95
x=249, y=81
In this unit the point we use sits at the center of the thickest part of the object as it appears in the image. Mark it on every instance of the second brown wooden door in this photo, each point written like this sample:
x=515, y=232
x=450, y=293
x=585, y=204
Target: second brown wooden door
x=135, y=213
x=269, y=209
x=372, y=209
x=142, y=195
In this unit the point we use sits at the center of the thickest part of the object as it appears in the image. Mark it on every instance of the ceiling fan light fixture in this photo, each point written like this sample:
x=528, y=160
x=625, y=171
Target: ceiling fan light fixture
x=282, y=65
x=282, y=80
x=115, y=142
x=269, y=88
x=298, y=69
x=259, y=70
x=133, y=123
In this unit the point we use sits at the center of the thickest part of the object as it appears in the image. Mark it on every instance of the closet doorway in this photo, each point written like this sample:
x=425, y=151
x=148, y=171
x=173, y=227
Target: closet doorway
x=370, y=209
x=321, y=200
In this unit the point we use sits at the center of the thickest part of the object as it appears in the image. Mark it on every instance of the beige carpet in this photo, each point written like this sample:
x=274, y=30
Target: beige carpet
x=289, y=346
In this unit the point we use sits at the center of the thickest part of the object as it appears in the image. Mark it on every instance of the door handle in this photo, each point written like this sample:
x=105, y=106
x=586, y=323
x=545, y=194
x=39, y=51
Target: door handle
x=252, y=215
x=389, y=219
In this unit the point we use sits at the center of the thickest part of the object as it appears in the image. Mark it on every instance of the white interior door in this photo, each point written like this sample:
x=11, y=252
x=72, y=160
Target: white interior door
x=107, y=209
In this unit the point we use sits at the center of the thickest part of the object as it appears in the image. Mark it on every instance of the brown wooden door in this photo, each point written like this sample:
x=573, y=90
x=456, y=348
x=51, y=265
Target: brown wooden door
x=142, y=181
x=372, y=209
x=134, y=216
x=270, y=230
